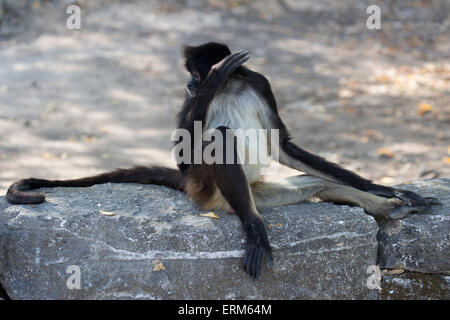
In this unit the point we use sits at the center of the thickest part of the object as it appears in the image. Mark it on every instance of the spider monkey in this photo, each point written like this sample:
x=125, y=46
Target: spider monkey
x=223, y=94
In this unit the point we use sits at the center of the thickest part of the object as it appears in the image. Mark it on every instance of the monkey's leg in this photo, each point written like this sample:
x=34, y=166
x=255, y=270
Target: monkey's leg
x=230, y=180
x=302, y=160
x=17, y=192
x=287, y=191
x=299, y=188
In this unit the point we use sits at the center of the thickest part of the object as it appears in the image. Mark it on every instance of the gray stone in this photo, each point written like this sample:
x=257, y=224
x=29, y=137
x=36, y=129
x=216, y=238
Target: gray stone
x=419, y=243
x=157, y=246
x=415, y=285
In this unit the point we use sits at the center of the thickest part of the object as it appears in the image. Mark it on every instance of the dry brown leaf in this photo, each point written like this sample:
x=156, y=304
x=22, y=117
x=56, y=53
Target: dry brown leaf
x=364, y=139
x=210, y=215
x=385, y=152
x=393, y=272
x=88, y=139
x=158, y=265
x=106, y=213
x=279, y=224
x=383, y=79
x=424, y=108
x=350, y=109
x=48, y=155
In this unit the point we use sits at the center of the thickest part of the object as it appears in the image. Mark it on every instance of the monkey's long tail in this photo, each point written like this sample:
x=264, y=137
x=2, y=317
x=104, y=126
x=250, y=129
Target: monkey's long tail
x=18, y=192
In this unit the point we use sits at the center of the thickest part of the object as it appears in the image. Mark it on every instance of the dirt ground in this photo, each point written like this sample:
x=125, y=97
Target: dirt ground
x=78, y=102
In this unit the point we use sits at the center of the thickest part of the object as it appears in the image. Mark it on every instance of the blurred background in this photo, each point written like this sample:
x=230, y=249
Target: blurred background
x=78, y=102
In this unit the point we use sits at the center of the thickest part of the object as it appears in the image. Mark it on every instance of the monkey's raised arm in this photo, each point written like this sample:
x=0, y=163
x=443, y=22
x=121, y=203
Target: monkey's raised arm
x=196, y=105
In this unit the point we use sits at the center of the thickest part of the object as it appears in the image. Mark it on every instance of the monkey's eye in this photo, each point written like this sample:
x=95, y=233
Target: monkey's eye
x=196, y=76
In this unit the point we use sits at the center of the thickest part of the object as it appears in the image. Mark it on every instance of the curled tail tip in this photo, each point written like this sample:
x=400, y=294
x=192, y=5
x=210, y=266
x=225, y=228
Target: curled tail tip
x=16, y=194
x=25, y=198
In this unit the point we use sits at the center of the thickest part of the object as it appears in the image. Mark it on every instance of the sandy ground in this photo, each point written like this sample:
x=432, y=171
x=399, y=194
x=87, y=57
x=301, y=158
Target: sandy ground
x=78, y=102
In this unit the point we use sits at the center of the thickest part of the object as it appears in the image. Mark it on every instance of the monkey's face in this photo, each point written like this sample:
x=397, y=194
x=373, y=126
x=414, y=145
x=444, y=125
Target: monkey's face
x=194, y=83
x=199, y=60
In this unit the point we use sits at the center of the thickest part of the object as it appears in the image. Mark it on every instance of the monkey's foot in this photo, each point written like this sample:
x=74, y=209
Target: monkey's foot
x=414, y=200
x=411, y=203
x=408, y=201
x=257, y=247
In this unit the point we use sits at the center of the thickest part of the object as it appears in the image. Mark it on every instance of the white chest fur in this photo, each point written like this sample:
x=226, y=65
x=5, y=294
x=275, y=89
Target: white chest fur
x=238, y=108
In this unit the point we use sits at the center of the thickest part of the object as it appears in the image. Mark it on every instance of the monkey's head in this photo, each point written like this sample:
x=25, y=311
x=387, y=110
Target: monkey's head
x=200, y=59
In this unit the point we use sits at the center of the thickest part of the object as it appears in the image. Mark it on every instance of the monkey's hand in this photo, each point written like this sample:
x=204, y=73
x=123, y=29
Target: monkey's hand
x=256, y=248
x=227, y=65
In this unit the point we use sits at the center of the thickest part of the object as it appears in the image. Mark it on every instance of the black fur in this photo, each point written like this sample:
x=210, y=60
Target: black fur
x=232, y=183
x=215, y=64
x=202, y=58
x=146, y=175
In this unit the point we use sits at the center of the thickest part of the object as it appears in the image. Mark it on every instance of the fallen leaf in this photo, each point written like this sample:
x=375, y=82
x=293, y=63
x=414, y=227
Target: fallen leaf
x=393, y=272
x=210, y=215
x=447, y=160
x=350, y=109
x=158, y=265
x=88, y=139
x=383, y=79
x=106, y=213
x=424, y=108
x=279, y=225
x=385, y=152
x=364, y=139
x=48, y=155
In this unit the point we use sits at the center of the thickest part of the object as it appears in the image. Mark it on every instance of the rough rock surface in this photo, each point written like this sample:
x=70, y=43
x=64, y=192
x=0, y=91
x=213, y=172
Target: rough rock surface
x=157, y=246
x=149, y=242
x=420, y=246
x=415, y=285
x=419, y=243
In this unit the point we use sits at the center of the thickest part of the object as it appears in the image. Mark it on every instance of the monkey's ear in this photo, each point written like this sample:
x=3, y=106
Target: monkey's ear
x=187, y=51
